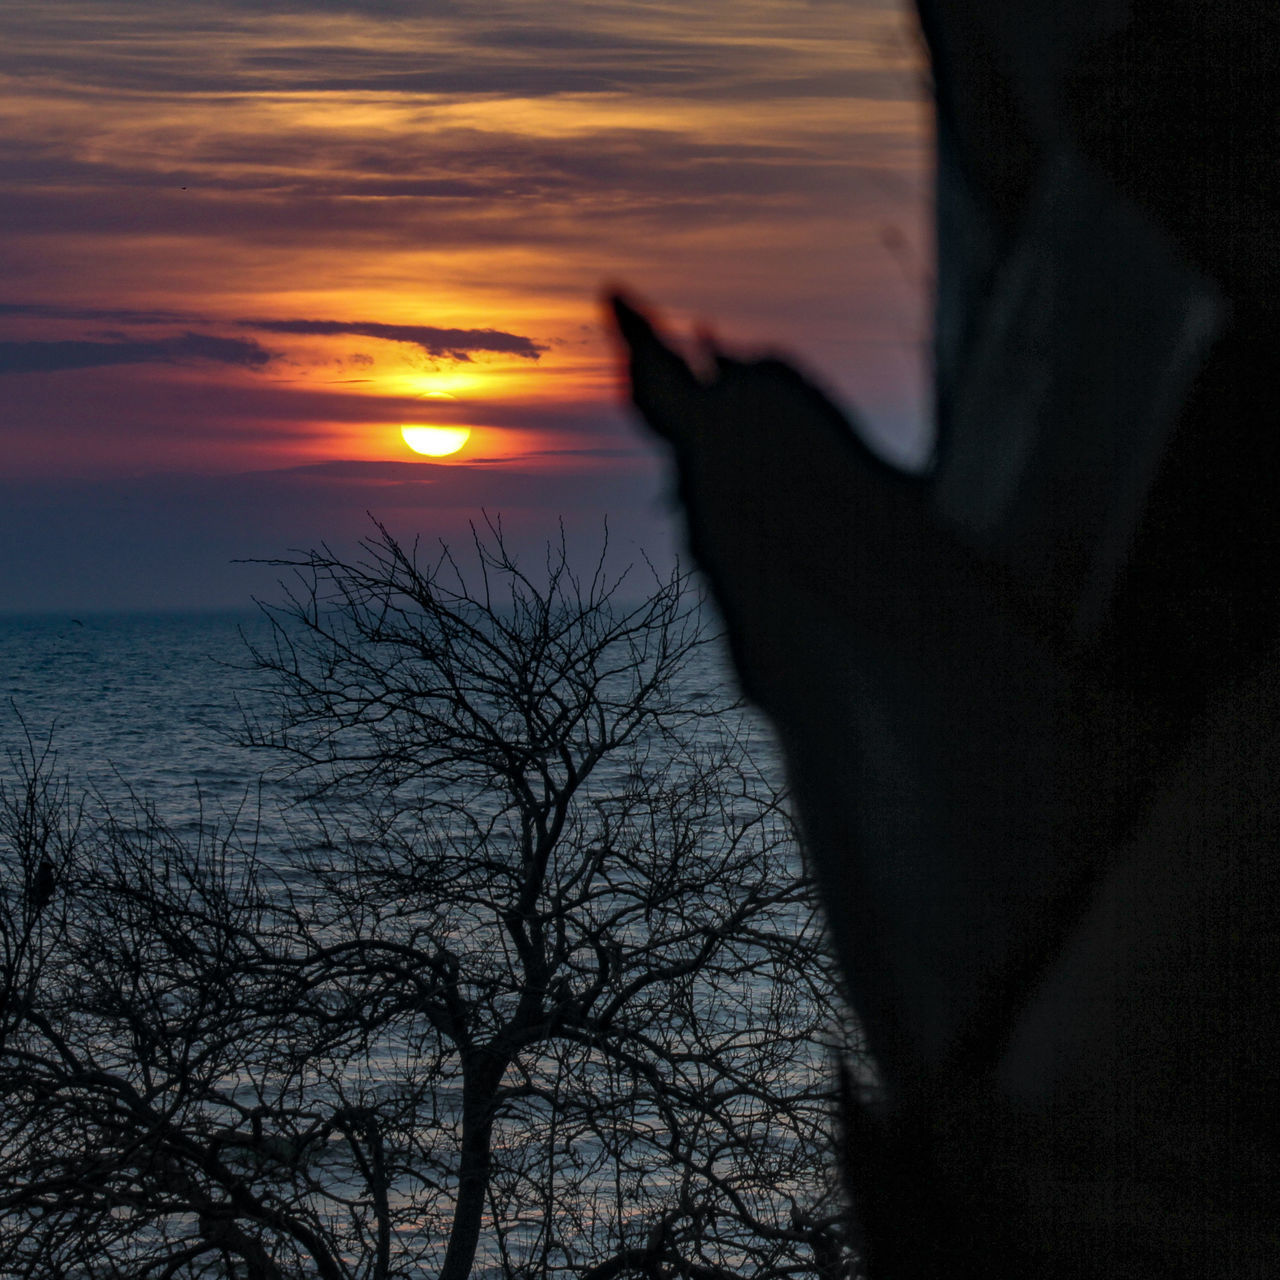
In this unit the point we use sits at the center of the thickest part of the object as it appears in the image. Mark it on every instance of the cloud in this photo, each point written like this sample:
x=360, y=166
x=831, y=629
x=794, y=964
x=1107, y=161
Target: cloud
x=115, y=315
x=361, y=46
x=15, y=357
x=456, y=344
x=55, y=357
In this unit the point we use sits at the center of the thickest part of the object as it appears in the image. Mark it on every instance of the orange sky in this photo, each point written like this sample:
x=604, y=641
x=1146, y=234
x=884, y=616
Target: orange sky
x=239, y=242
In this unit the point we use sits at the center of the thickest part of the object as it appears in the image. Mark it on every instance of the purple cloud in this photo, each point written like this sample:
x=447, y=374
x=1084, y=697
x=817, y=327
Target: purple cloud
x=57, y=356
x=456, y=344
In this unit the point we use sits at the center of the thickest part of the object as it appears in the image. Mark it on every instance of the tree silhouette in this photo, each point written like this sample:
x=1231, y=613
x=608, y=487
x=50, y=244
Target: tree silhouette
x=534, y=984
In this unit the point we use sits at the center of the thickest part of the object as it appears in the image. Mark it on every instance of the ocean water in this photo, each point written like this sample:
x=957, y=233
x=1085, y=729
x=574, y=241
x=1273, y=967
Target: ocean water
x=153, y=705
x=148, y=702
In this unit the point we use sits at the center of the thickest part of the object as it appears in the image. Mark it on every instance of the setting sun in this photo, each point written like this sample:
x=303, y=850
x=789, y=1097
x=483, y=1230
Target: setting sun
x=436, y=442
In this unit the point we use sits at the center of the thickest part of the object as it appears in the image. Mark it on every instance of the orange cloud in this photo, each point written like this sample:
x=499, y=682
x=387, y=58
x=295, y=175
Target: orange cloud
x=457, y=186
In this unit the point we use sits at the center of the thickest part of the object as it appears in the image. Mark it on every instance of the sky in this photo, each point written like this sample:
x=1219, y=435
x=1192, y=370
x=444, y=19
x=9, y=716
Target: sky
x=241, y=246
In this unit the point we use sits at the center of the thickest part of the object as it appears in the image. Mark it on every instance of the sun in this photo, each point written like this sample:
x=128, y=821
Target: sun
x=435, y=442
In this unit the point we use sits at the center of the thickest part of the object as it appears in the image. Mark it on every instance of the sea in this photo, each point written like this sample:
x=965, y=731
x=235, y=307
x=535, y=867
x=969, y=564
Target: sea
x=141, y=703
x=153, y=706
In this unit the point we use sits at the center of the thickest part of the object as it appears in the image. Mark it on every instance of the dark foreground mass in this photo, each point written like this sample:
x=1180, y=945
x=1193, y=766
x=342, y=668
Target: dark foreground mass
x=1028, y=699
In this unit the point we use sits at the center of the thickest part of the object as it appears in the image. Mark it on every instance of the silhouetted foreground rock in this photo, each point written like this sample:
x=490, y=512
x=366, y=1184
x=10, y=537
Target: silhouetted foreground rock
x=1029, y=700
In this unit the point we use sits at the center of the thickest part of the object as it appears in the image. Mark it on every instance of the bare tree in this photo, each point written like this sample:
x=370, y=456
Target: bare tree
x=534, y=984
x=151, y=1102
x=569, y=865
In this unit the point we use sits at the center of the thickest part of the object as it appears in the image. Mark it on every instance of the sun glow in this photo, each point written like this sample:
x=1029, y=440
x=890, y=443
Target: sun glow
x=435, y=442
x=440, y=384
